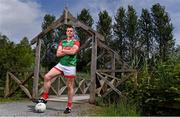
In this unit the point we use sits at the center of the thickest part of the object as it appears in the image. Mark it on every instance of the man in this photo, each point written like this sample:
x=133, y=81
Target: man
x=66, y=52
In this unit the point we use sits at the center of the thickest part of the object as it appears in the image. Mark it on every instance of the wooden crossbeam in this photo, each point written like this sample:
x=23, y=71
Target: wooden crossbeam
x=117, y=70
x=20, y=84
x=109, y=83
x=118, y=83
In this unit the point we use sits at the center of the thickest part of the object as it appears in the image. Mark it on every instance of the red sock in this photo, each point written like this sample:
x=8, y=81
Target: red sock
x=69, y=104
x=45, y=95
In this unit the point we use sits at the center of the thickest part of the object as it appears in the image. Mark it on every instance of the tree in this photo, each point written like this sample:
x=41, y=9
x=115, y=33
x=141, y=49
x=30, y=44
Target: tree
x=87, y=19
x=47, y=52
x=48, y=19
x=14, y=57
x=146, y=34
x=104, y=26
x=132, y=35
x=120, y=32
x=163, y=31
x=85, y=54
x=24, y=55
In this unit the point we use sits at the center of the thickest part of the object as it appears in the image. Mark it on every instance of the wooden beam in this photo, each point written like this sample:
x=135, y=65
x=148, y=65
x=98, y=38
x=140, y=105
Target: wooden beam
x=99, y=56
x=110, y=84
x=117, y=57
x=87, y=42
x=119, y=83
x=116, y=70
x=26, y=91
x=22, y=83
x=93, y=70
x=113, y=65
x=90, y=30
x=54, y=25
x=37, y=69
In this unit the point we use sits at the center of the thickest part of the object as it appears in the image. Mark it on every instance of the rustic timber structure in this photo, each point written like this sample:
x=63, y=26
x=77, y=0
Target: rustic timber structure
x=104, y=72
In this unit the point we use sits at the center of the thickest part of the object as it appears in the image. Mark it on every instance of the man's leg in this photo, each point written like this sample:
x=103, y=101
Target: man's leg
x=70, y=83
x=70, y=87
x=47, y=81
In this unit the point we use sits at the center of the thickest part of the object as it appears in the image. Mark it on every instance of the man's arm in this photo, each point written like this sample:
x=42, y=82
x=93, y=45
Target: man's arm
x=59, y=52
x=73, y=50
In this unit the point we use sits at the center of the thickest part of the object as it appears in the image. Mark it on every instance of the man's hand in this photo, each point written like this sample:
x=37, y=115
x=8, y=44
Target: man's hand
x=59, y=52
x=70, y=50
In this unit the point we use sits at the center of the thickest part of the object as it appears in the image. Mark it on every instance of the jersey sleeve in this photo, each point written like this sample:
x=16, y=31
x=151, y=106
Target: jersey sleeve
x=77, y=43
x=60, y=44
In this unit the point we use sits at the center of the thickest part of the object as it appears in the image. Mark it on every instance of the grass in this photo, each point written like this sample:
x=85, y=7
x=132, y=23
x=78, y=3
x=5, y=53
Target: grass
x=82, y=75
x=10, y=99
x=122, y=109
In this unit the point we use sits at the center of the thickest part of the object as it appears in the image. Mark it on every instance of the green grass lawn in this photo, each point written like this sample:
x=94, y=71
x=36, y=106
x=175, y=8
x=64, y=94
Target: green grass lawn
x=11, y=99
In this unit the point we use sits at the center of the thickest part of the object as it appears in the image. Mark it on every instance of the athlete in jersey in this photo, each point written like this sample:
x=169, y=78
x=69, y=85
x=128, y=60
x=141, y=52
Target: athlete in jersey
x=67, y=63
x=66, y=66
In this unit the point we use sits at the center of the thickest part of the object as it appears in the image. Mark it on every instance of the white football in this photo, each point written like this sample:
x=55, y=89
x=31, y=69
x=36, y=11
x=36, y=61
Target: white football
x=40, y=107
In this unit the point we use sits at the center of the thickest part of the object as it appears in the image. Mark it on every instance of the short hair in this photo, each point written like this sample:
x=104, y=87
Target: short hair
x=70, y=26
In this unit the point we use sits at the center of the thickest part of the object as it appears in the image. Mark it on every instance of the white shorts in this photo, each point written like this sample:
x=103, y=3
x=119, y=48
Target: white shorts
x=68, y=71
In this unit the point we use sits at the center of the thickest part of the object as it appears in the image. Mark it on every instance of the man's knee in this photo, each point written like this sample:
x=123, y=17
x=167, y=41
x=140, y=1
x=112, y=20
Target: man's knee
x=70, y=85
x=47, y=77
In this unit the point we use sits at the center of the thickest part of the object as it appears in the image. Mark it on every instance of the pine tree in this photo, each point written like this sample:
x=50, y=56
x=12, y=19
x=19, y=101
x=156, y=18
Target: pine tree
x=146, y=34
x=47, y=54
x=87, y=19
x=163, y=31
x=132, y=35
x=84, y=55
x=48, y=19
x=120, y=32
x=104, y=26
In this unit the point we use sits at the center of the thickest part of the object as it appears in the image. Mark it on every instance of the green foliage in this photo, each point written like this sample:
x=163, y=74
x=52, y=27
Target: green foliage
x=159, y=87
x=85, y=17
x=84, y=55
x=146, y=33
x=132, y=36
x=121, y=109
x=12, y=99
x=48, y=19
x=14, y=57
x=163, y=31
x=104, y=26
x=119, y=27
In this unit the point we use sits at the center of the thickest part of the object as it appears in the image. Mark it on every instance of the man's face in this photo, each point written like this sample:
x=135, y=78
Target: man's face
x=70, y=32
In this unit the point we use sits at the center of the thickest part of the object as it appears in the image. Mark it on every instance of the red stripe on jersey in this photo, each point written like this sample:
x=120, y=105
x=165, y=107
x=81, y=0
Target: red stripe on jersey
x=77, y=43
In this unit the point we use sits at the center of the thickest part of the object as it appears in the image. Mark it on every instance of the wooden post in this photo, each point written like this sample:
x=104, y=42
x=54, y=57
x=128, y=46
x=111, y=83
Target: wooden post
x=93, y=70
x=113, y=67
x=37, y=69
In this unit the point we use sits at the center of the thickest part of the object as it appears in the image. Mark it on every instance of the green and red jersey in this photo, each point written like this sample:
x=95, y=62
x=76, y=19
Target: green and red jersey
x=69, y=60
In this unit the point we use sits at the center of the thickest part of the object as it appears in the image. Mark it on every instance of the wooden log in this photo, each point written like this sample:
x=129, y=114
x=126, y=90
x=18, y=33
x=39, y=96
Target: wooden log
x=37, y=69
x=54, y=25
x=86, y=44
x=117, y=70
x=60, y=92
x=93, y=70
x=87, y=87
x=119, y=83
x=110, y=84
x=99, y=56
x=20, y=85
x=23, y=82
x=113, y=60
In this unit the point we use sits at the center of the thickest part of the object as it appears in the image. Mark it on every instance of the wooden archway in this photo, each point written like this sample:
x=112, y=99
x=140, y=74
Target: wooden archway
x=97, y=41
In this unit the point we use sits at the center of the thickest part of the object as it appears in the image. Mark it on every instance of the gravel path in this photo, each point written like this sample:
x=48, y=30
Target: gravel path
x=26, y=108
